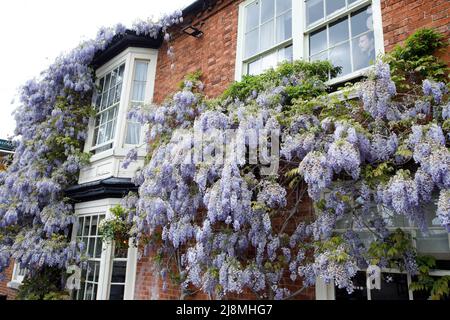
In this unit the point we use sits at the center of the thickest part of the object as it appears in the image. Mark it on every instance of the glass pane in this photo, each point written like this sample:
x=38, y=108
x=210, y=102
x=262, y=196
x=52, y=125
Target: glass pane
x=119, y=272
x=338, y=32
x=121, y=70
x=360, y=292
x=91, y=247
x=340, y=56
x=111, y=95
x=267, y=10
x=269, y=61
x=98, y=100
x=133, y=133
x=96, y=271
x=113, y=78
x=283, y=5
x=87, y=222
x=436, y=242
x=285, y=54
x=254, y=67
x=118, y=92
x=314, y=11
x=116, y=292
x=138, y=91
x=108, y=132
x=104, y=100
x=89, y=291
x=98, y=247
x=363, y=51
x=394, y=286
x=140, y=71
x=334, y=5
x=319, y=57
x=267, y=35
x=361, y=21
x=318, y=41
x=284, y=27
x=252, y=16
x=94, y=225
x=107, y=82
x=251, y=43
x=80, y=227
x=100, y=85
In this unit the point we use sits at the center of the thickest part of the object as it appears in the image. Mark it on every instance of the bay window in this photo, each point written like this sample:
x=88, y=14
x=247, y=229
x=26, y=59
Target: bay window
x=348, y=33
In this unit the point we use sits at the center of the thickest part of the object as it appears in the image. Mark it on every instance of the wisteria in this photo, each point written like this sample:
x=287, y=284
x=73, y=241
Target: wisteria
x=205, y=204
x=51, y=127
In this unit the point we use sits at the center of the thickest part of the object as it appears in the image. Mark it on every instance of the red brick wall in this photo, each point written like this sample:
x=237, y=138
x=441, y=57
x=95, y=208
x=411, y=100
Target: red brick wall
x=4, y=290
x=214, y=53
x=403, y=17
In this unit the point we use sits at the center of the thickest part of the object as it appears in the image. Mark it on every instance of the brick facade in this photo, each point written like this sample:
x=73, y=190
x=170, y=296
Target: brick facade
x=403, y=17
x=4, y=290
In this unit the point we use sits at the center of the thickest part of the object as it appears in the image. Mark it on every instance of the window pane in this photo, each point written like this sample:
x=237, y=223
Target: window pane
x=284, y=27
x=267, y=35
x=133, y=133
x=141, y=69
x=91, y=247
x=394, y=286
x=252, y=16
x=319, y=57
x=87, y=222
x=361, y=21
x=318, y=41
x=283, y=5
x=116, y=292
x=340, y=56
x=98, y=247
x=119, y=272
x=338, y=31
x=314, y=11
x=334, y=5
x=267, y=10
x=251, y=43
x=285, y=54
x=269, y=61
x=254, y=67
x=435, y=242
x=363, y=51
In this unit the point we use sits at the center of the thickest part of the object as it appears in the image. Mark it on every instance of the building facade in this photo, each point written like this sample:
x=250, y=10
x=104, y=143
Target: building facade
x=237, y=38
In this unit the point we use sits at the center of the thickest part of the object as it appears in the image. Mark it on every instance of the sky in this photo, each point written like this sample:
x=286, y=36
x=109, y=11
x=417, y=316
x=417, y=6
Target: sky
x=33, y=33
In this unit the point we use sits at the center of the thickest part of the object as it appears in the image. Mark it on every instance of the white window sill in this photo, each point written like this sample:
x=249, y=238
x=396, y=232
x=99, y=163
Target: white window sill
x=14, y=285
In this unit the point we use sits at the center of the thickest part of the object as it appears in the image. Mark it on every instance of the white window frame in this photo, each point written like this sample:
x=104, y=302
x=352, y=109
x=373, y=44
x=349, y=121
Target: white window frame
x=102, y=207
x=300, y=32
x=16, y=278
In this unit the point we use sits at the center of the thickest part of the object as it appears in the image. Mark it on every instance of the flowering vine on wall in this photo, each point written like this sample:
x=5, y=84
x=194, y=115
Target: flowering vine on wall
x=52, y=119
x=364, y=162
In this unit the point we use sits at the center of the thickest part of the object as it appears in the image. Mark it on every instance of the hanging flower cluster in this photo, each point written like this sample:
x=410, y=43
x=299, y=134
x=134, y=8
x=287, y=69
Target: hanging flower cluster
x=51, y=129
x=234, y=229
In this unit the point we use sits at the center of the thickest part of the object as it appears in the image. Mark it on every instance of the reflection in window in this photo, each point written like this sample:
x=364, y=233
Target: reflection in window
x=348, y=42
x=107, y=106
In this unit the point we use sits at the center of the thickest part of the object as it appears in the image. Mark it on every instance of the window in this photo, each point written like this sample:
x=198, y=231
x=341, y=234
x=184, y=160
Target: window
x=348, y=33
x=133, y=135
x=87, y=232
x=268, y=34
x=347, y=42
x=395, y=284
x=107, y=107
x=110, y=272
